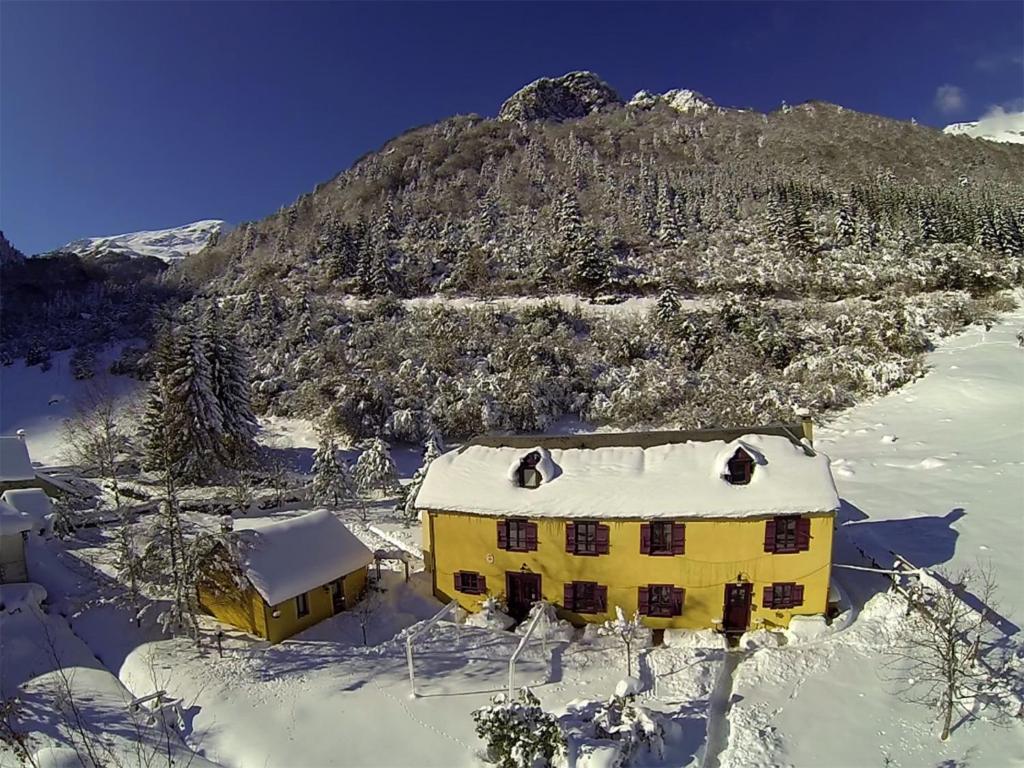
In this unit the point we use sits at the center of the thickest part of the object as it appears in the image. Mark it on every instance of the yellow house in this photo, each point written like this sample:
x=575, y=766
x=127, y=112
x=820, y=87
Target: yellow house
x=727, y=529
x=294, y=574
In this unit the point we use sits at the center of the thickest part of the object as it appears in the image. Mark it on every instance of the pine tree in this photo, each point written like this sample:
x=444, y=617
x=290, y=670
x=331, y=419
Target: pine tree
x=799, y=232
x=669, y=227
x=592, y=266
x=375, y=472
x=430, y=452
x=331, y=483
x=667, y=309
x=229, y=380
x=846, y=223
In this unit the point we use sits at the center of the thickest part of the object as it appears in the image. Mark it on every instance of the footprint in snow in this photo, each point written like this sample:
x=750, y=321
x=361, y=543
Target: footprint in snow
x=889, y=438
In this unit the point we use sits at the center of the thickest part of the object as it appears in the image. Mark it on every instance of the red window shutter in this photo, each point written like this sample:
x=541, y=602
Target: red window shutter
x=481, y=584
x=601, y=599
x=602, y=539
x=678, y=595
x=678, y=538
x=502, y=534
x=643, y=600
x=458, y=585
x=569, y=597
x=570, y=538
x=803, y=534
x=798, y=595
x=769, y=535
x=645, y=539
x=531, y=537
x=768, y=600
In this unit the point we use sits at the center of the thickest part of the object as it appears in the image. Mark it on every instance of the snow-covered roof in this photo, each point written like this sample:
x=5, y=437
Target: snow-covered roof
x=285, y=558
x=32, y=502
x=675, y=480
x=15, y=463
x=13, y=522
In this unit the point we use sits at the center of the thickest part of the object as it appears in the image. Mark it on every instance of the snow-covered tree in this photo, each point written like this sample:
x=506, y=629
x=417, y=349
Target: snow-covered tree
x=375, y=472
x=627, y=631
x=667, y=309
x=331, y=481
x=229, y=381
x=431, y=451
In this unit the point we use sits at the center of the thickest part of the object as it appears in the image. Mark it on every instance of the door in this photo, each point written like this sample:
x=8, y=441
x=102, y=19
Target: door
x=522, y=590
x=338, y=595
x=736, y=612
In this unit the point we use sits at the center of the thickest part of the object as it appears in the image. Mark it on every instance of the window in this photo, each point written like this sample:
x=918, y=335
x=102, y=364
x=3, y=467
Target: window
x=740, y=468
x=586, y=597
x=470, y=583
x=662, y=538
x=783, y=595
x=660, y=600
x=787, y=534
x=302, y=605
x=528, y=475
x=517, y=535
x=586, y=538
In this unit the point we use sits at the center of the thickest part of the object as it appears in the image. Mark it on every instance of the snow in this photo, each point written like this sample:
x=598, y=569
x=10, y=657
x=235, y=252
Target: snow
x=996, y=125
x=15, y=464
x=627, y=686
x=21, y=597
x=32, y=502
x=167, y=244
x=678, y=480
x=13, y=522
x=39, y=401
x=285, y=558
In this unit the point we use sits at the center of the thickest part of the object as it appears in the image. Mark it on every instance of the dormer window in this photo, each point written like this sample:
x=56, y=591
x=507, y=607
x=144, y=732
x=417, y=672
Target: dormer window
x=740, y=468
x=528, y=475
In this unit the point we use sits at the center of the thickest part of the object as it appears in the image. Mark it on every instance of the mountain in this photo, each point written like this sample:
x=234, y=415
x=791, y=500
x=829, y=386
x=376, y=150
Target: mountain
x=8, y=253
x=998, y=125
x=166, y=244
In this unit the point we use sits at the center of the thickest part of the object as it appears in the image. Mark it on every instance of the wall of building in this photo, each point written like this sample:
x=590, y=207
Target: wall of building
x=717, y=552
x=288, y=622
x=12, y=559
x=241, y=608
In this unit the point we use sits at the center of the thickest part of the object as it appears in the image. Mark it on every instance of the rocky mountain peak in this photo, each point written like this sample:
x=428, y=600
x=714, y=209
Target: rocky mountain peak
x=574, y=95
x=8, y=253
x=680, y=99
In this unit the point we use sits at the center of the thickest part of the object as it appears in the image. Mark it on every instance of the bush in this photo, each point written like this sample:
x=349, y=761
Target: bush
x=519, y=734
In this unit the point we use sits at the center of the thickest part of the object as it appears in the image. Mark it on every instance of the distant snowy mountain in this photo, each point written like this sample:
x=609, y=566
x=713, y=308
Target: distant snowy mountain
x=998, y=125
x=166, y=244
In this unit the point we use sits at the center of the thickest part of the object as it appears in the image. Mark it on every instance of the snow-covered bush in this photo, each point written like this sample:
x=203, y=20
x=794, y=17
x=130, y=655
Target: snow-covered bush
x=618, y=730
x=491, y=615
x=518, y=733
x=550, y=627
x=630, y=632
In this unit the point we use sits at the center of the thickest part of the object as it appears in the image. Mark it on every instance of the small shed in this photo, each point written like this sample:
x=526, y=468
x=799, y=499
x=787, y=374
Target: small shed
x=14, y=527
x=296, y=573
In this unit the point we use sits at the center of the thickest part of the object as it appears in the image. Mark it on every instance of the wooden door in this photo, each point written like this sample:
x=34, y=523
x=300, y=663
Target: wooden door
x=338, y=595
x=736, y=612
x=522, y=590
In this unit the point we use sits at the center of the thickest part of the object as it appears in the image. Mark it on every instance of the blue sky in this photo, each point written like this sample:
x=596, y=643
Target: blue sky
x=117, y=117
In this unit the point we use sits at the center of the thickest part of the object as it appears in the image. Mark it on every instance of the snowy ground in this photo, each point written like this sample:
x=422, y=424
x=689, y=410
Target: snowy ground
x=932, y=472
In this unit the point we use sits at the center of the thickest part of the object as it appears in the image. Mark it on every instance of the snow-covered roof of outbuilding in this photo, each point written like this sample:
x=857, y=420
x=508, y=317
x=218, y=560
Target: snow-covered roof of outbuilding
x=31, y=501
x=286, y=558
x=682, y=479
x=14, y=522
x=15, y=463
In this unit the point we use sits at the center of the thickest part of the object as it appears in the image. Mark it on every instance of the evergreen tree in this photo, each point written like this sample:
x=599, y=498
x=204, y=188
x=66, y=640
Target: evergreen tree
x=431, y=451
x=846, y=223
x=667, y=309
x=229, y=379
x=375, y=472
x=592, y=266
x=331, y=483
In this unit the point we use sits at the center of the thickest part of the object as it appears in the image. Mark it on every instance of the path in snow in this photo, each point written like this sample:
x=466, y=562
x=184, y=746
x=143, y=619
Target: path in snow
x=718, y=710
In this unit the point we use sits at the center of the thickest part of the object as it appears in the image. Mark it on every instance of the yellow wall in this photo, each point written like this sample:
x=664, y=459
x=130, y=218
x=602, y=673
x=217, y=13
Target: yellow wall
x=717, y=551
x=248, y=611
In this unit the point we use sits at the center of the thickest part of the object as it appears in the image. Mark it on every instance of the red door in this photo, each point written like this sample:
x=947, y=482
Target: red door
x=736, y=612
x=522, y=590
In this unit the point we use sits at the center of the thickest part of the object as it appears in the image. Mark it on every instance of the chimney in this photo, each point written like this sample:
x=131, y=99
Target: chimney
x=806, y=423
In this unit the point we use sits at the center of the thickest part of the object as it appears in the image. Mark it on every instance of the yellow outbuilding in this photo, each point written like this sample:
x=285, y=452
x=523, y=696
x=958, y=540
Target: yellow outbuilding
x=729, y=529
x=288, y=575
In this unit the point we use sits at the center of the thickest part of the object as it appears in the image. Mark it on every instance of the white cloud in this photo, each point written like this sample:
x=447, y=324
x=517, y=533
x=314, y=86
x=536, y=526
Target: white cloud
x=949, y=99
